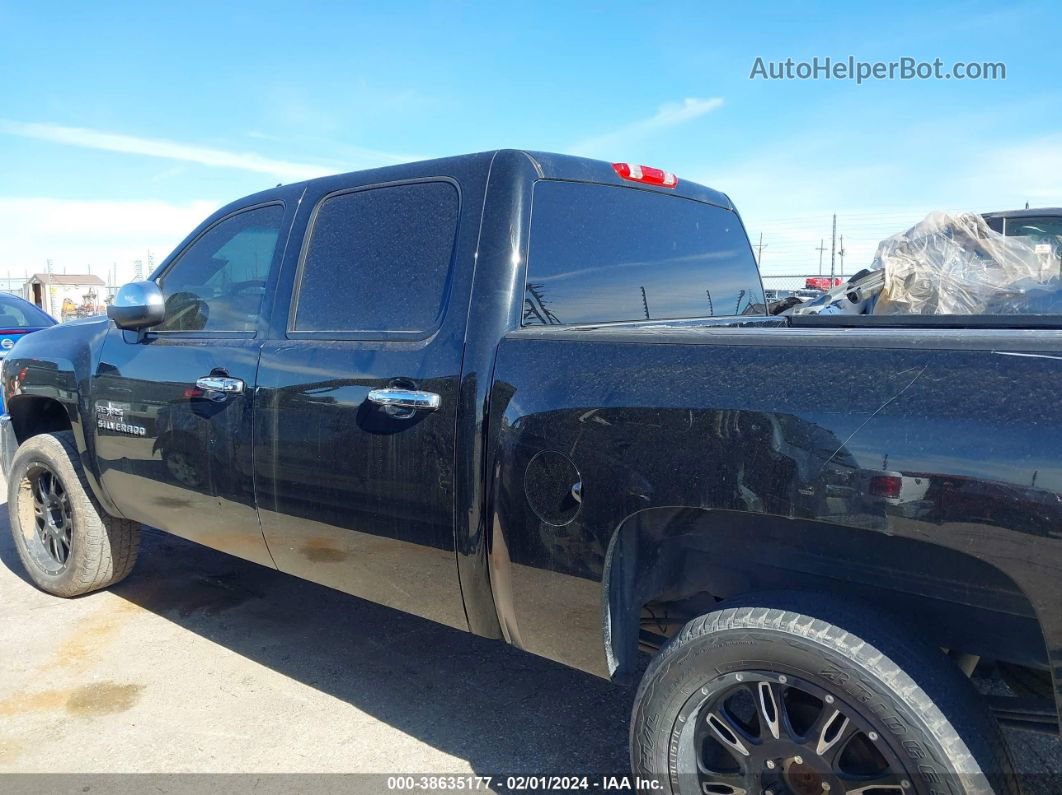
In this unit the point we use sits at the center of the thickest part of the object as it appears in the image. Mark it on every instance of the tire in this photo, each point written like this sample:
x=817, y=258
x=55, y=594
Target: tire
x=787, y=692
x=48, y=502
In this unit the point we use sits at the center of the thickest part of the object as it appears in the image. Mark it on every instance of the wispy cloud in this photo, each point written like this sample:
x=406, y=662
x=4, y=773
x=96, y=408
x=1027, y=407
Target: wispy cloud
x=1021, y=171
x=876, y=191
x=78, y=233
x=668, y=115
x=175, y=150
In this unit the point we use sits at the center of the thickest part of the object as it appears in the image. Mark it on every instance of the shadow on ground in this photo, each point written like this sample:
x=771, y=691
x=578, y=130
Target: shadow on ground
x=502, y=710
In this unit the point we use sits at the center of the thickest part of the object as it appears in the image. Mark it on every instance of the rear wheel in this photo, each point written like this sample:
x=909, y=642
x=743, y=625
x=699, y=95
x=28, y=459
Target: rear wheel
x=67, y=543
x=798, y=695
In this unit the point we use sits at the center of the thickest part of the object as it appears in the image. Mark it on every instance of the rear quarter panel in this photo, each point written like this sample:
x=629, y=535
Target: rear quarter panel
x=778, y=431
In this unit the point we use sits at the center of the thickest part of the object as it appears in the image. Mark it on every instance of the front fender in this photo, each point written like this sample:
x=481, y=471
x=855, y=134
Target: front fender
x=57, y=364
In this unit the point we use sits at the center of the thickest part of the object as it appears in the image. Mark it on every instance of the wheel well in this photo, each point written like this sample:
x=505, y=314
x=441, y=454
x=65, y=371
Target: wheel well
x=32, y=415
x=667, y=565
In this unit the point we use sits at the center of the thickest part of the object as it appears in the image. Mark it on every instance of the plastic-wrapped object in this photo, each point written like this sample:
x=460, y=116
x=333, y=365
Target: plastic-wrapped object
x=857, y=296
x=954, y=264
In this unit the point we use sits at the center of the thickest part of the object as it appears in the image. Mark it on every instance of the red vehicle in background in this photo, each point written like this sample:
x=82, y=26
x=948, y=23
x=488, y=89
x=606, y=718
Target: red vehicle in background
x=823, y=283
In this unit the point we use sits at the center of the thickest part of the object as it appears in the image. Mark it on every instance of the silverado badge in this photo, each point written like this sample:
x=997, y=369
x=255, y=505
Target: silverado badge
x=111, y=416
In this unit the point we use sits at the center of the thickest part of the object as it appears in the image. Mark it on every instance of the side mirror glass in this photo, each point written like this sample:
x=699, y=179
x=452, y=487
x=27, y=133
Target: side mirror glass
x=137, y=305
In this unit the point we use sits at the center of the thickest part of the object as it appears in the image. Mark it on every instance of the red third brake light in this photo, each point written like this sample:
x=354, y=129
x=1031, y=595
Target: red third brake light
x=886, y=486
x=650, y=176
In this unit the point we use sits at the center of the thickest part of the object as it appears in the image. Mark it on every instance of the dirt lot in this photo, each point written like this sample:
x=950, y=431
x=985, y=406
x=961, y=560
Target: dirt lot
x=202, y=663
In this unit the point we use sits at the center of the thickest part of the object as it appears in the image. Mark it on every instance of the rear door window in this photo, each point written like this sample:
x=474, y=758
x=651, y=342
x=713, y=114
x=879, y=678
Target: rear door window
x=378, y=261
x=602, y=253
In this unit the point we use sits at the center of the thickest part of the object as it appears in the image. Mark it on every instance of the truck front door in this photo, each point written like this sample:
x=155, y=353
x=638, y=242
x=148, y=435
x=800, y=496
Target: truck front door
x=358, y=390
x=173, y=411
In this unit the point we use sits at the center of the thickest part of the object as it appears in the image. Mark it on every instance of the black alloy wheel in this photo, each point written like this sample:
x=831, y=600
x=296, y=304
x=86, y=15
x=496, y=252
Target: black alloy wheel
x=52, y=516
x=66, y=542
x=755, y=731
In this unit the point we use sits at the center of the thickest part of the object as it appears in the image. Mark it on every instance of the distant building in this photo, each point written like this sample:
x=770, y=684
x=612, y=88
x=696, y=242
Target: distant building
x=66, y=295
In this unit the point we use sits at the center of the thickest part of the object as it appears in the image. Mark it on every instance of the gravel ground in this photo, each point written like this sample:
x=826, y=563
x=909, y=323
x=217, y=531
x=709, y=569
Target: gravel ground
x=203, y=663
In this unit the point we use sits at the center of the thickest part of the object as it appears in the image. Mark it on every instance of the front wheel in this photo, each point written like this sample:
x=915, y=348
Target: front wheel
x=67, y=543
x=799, y=695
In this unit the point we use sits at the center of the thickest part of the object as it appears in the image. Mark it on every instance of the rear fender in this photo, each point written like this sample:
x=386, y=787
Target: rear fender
x=672, y=554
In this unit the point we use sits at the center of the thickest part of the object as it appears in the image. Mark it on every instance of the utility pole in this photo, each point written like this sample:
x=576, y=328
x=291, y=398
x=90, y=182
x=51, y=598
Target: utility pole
x=759, y=250
x=833, y=249
x=820, y=249
x=841, y=255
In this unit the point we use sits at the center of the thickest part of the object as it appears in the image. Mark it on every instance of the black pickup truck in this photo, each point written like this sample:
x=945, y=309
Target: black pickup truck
x=539, y=398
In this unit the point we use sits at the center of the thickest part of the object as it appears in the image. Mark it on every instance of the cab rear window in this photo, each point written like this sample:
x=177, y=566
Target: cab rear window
x=603, y=253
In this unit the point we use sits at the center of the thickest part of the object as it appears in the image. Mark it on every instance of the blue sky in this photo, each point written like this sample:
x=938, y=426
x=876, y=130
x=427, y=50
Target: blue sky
x=122, y=125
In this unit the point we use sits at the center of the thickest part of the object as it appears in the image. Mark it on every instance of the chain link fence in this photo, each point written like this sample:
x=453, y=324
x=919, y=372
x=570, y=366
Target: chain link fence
x=12, y=284
x=779, y=286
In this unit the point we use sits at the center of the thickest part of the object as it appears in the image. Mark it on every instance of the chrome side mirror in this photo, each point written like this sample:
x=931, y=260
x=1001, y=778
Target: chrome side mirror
x=137, y=305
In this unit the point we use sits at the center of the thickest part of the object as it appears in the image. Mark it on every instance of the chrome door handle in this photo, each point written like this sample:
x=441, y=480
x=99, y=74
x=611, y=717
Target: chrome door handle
x=218, y=383
x=412, y=399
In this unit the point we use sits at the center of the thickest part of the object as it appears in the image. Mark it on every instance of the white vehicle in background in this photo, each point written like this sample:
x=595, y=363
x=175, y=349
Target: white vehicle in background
x=774, y=294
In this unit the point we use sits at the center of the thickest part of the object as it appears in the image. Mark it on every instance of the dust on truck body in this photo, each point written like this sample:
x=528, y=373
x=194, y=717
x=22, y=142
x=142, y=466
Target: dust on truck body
x=539, y=398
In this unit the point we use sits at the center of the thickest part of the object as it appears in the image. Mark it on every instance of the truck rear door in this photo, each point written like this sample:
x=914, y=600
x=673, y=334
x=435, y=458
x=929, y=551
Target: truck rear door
x=358, y=390
x=173, y=454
